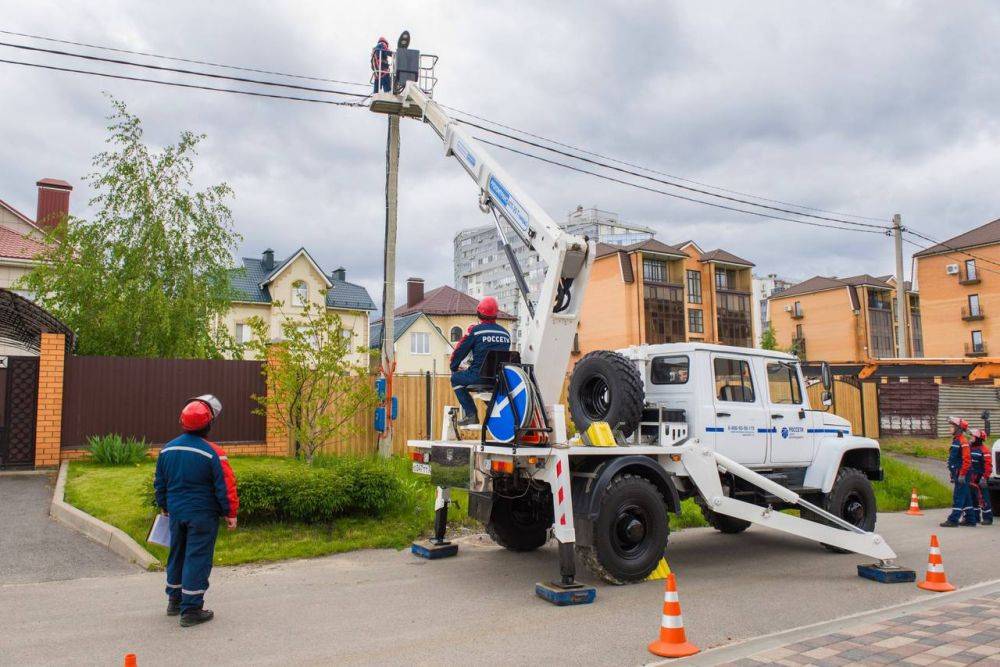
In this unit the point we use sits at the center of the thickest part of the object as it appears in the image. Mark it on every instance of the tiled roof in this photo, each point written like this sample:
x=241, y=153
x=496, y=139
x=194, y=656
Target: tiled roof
x=399, y=327
x=16, y=246
x=649, y=245
x=984, y=235
x=247, y=283
x=446, y=300
x=725, y=256
x=823, y=283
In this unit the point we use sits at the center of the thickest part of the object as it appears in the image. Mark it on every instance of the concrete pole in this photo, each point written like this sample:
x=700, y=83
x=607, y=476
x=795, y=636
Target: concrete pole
x=389, y=287
x=902, y=303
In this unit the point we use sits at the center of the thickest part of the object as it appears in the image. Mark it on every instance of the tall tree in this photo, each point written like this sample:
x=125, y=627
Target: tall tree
x=148, y=276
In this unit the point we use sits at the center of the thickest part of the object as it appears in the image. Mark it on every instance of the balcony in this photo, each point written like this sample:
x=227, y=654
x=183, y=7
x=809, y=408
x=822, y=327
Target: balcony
x=972, y=314
x=973, y=350
x=799, y=347
x=969, y=278
x=796, y=313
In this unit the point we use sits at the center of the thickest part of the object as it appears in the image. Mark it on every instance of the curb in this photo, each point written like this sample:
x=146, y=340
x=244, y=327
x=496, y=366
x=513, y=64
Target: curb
x=111, y=538
x=748, y=647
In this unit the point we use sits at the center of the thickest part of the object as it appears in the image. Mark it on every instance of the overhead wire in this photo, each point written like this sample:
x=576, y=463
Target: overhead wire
x=182, y=60
x=927, y=247
x=908, y=230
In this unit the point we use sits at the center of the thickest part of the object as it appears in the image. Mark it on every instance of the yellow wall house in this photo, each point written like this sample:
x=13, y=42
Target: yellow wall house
x=294, y=281
x=843, y=320
x=651, y=292
x=959, y=282
x=428, y=326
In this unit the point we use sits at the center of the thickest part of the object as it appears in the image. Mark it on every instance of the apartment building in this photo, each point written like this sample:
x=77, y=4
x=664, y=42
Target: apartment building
x=653, y=292
x=843, y=320
x=762, y=289
x=959, y=282
x=481, y=266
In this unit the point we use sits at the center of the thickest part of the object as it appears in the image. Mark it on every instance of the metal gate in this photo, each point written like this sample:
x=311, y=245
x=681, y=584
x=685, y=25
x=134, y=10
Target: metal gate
x=19, y=384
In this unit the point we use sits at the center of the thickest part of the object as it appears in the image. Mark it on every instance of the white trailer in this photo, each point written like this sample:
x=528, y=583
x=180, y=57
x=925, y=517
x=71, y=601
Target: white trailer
x=737, y=434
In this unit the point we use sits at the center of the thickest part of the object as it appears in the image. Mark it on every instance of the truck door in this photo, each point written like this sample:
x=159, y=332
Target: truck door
x=791, y=441
x=740, y=421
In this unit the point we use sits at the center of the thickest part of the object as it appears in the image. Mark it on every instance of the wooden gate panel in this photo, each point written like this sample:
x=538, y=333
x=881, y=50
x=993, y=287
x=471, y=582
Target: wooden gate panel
x=908, y=408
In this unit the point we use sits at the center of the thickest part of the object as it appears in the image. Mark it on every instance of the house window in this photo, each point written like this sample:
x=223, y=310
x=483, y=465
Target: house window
x=694, y=286
x=654, y=270
x=732, y=381
x=797, y=309
x=798, y=331
x=725, y=279
x=242, y=334
x=977, y=342
x=974, y=310
x=696, y=320
x=456, y=334
x=970, y=269
x=300, y=293
x=783, y=383
x=420, y=343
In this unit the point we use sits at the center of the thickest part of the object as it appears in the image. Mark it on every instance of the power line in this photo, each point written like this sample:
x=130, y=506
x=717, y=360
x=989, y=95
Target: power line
x=182, y=60
x=183, y=85
x=674, y=194
x=948, y=247
x=927, y=247
x=654, y=171
x=160, y=68
x=673, y=184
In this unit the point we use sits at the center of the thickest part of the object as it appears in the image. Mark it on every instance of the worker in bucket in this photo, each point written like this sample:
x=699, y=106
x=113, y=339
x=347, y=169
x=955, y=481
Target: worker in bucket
x=478, y=340
x=982, y=468
x=960, y=466
x=194, y=486
x=381, y=71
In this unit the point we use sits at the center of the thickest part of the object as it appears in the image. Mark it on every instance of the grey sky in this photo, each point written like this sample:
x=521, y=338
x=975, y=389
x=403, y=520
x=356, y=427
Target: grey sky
x=862, y=107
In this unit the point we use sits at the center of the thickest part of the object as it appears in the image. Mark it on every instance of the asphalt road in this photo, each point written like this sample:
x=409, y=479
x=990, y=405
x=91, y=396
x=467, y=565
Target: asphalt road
x=34, y=548
x=386, y=607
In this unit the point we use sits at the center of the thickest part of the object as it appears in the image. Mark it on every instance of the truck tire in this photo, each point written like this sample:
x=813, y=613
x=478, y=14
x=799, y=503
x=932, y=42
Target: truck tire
x=605, y=386
x=630, y=533
x=852, y=498
x=721, y=522
x=516, y=525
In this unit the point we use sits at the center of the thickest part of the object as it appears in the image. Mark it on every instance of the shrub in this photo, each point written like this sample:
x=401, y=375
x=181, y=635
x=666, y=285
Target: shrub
x=113, y=450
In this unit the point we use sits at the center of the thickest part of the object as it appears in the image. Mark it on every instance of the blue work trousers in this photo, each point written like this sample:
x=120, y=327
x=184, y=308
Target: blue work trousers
x=384, y=82
x=981, y=499
x=459, y=381
x=192, y=546
x=962, y=503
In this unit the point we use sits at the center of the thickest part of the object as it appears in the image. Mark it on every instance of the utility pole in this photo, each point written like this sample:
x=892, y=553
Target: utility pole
x=902, y=305
x=389, y=285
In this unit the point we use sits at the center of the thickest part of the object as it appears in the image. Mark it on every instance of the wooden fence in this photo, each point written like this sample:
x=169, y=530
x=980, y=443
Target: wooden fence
x=857, y=404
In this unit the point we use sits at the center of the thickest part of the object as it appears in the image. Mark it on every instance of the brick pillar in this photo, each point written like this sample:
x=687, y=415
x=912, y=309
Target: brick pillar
x=48, y=422
x=278, y=439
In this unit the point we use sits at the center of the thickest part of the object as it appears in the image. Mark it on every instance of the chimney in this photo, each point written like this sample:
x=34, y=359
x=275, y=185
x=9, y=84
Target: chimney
x=268, y=262
x=339, y=274
x=414, y=291
x=53, y=202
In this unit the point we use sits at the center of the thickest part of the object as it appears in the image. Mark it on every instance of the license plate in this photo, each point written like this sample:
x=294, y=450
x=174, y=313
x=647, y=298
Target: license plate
x=421, y=468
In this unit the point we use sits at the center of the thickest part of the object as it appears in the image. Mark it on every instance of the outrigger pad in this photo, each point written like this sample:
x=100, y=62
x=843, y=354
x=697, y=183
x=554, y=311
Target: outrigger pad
x=563, y=596
x=429, y=550
x=887, y=574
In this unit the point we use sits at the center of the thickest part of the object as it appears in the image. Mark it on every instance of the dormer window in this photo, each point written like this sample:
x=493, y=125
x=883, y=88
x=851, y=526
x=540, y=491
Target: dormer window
x=300, y=293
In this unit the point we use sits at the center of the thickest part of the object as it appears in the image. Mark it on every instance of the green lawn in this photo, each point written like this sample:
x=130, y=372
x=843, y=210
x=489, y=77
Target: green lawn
x=934, y=448
x=117, y=495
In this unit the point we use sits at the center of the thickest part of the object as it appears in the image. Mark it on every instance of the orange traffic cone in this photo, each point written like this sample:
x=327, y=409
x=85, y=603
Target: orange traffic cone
x=673, y=642
x=130, y=660
x=936, y=579
x=914, y=505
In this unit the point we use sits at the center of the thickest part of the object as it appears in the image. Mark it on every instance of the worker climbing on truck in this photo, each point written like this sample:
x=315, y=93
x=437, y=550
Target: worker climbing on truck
x=982, y=468
x=381, y=69
x=960, y=467
x=478, y=340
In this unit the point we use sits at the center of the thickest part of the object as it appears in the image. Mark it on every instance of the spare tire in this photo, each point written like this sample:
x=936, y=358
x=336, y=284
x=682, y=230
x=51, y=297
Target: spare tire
x=605, y=386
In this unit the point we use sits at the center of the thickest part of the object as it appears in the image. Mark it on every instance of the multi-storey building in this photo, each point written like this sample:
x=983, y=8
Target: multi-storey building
x=959, y=282
x=763, y=288
x=652, y=292
x=481, y=266
x=843, y=320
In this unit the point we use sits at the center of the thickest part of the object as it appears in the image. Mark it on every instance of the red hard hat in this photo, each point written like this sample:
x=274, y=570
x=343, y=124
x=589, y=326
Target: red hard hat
x=959, y=422
x=199, y=412
x=488, y=308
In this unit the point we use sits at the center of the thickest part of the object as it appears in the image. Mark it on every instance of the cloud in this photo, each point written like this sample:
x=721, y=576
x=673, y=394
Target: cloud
x=870, y=108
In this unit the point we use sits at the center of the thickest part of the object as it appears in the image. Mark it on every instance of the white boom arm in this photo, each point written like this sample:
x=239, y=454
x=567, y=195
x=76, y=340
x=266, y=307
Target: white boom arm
x=548, y=336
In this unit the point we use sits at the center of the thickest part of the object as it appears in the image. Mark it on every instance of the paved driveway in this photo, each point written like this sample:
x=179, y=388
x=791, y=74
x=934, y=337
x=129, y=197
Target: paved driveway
x=389, y=608
x=34, y=547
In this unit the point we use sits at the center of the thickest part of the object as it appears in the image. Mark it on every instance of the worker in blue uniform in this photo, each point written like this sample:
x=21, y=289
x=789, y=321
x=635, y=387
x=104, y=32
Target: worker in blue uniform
x=194, y=486
x=963, y=513
x=478, y=340
x=982, y=468
x=381, y=69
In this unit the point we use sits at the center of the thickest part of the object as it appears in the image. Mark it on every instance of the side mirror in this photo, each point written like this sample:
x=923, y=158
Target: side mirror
x=827, y=398
x=826, y=375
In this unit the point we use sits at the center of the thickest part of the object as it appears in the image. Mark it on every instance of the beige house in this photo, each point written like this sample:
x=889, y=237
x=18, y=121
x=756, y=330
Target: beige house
x=426, y=329
x=264, y=283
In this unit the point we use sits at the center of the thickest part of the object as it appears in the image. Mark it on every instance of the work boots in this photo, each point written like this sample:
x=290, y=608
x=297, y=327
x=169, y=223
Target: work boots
x=196, y=617
x=173, y=606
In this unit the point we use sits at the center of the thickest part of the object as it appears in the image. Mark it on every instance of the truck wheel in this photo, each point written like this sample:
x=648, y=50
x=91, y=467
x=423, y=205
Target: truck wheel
x=721, y=522
x=630, y=533
x=852, y=498
x=605, y=386
x=517, y=524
